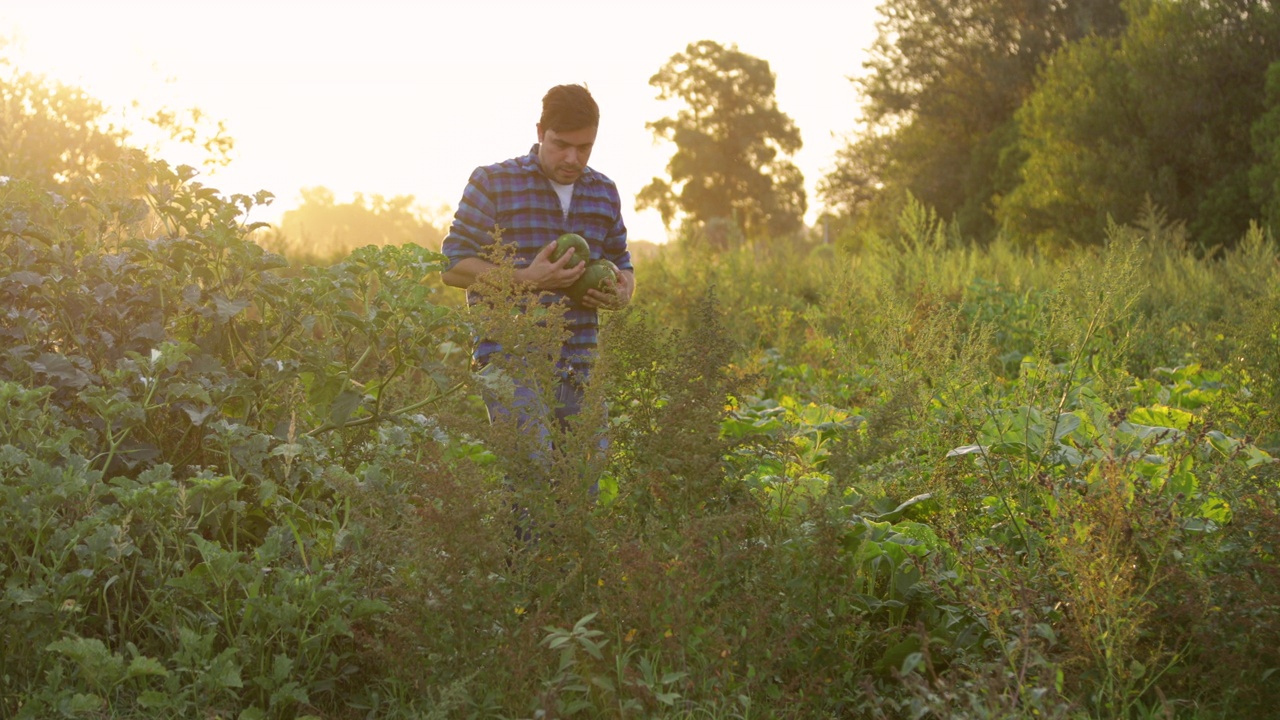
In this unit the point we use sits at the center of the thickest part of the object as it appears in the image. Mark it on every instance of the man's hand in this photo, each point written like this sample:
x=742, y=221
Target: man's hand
x=543, y=274
x=624, y=286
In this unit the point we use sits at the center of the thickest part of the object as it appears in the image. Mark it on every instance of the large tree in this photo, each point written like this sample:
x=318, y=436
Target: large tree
x=57, y=136
x=731, y=144
x=1264, y=176
x=52, y=133
x=942, y=84
x=322, y=227
x=1163, y=113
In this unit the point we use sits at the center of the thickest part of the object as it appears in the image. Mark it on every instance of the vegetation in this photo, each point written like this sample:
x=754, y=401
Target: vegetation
x=943, y=82
x=731, y=145
x=321, y=229
x=1044, y=121
x=903, y=476
x=1113, y=122
x=915, y=480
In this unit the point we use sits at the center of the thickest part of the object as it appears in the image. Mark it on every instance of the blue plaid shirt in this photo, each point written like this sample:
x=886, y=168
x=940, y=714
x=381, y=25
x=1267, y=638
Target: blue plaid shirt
x=516, y=196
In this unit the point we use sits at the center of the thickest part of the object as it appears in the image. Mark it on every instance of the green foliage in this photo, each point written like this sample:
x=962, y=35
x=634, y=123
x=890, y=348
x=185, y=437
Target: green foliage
x=52, y=133
x=1264, y=175
x=901, y=477
x=942, y=84
x=320, y=229
x=731, y=143
x=183, y=424
x=1114, y=121
x=1047, y=121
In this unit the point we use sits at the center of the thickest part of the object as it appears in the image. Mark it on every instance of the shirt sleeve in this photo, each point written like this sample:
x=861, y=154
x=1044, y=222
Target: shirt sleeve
x=473, y=223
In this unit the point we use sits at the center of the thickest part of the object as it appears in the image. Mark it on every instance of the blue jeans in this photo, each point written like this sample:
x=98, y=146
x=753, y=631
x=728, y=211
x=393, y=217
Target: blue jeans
x=533, y=416
x=530, y=409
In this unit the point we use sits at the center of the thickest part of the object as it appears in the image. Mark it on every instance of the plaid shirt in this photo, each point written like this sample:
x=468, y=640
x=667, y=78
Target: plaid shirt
x=516, y=196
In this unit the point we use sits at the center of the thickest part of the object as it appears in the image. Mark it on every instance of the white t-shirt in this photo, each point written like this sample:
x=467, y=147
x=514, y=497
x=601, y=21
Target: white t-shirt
x=566, y=195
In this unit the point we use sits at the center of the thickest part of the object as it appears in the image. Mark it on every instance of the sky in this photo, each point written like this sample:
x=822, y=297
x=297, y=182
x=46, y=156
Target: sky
x=401, y=97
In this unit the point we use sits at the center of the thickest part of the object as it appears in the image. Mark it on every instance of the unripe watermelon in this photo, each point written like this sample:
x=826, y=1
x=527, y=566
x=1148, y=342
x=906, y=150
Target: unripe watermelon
x=573, y=243
x=600, y=274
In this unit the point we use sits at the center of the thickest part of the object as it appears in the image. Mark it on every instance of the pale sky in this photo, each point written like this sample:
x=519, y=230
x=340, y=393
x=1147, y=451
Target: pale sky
x=394, y=97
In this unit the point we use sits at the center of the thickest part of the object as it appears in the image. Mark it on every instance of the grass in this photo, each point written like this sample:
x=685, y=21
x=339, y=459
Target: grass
x=898, y=477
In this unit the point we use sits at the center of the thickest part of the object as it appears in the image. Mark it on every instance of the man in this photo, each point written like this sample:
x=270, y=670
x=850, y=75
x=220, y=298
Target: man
x=532, y=200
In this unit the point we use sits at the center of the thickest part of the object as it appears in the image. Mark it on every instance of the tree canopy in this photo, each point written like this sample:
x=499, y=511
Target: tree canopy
x=1164, y=113
x=52, y=133
x=1049, y=119
x=320, y=226
x=731, y=144
x=943, y=81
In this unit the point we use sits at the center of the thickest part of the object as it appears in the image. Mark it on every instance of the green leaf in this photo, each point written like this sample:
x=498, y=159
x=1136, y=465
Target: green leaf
x=1222, y=443
x=61, y=368
x=85, y=703
x=281, y=666
x=1067, y=424
x=227, y=309
x=365, y=607
x=152, y=699
x=667, y=698
x=603, y=683
x=197, y=414
x=918, y=503
x=344, y=405
x=1160, y=416
x=145, y=666
x=905, y=577
x=895, y=658
x=966, y=450
x=1257, y=457
x=224, y=672
x=592, y=648
x=26, y=278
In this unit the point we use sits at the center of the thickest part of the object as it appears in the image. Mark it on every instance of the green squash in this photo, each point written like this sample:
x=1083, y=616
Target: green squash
x=572, y=243
x=600, y=274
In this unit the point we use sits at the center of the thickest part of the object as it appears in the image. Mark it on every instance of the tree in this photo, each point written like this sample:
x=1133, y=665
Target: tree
x=944, y=80
x=1164, y=112
x=51, y=133
x=731, y=141
x=322, y=227
x=1264, y=176
x=54, y=135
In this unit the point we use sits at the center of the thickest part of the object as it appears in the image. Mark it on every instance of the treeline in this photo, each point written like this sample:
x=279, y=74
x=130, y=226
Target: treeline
x=63, y=140
x=322, y=229
x=1044, y=120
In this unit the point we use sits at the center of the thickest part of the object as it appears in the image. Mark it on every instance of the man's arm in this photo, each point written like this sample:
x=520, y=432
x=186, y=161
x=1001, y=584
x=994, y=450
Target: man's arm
x=541, y=274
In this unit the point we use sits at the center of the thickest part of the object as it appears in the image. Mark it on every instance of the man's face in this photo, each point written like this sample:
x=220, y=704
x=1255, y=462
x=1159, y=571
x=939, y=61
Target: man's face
x=563, y=155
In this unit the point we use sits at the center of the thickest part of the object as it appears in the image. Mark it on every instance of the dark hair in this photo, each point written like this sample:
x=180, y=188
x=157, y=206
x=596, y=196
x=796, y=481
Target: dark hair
x=566, y=108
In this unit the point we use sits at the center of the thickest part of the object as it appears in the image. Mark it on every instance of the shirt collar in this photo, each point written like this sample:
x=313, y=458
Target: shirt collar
x=531, y=160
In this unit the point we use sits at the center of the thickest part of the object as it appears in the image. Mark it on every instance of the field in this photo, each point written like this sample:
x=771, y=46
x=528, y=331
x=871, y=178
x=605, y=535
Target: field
x=887, y=477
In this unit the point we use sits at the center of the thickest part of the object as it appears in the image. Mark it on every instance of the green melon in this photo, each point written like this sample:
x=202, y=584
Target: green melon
x=572, y=243
x=600, y=274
